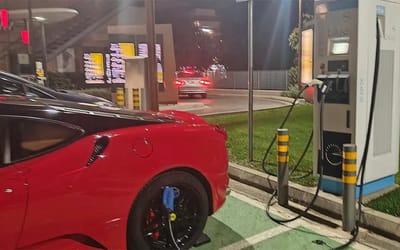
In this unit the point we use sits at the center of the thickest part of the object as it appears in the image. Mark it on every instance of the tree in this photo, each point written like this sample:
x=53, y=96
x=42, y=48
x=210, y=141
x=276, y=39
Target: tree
x=294, y=45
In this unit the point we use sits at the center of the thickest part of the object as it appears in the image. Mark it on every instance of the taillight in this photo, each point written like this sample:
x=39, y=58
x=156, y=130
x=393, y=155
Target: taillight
x=179, y=83
x=205, y=82
x=12, y=98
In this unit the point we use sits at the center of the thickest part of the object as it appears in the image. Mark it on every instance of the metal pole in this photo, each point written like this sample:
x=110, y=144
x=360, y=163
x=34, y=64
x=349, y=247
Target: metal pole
x=283, y=170
x=300, y=24
x=250, y=76
x=29, y=27
x=44, y=48
x=349, y=179
x=152, y=86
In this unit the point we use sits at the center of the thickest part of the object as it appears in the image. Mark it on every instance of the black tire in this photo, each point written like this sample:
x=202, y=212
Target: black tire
x=204, y=96
x=148, y=220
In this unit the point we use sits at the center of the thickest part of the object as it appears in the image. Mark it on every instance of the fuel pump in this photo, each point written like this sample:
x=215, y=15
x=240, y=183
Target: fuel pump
x=344, y=45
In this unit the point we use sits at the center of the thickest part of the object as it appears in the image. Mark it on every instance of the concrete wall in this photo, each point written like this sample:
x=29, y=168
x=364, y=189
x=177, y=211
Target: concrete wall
x=262, y=79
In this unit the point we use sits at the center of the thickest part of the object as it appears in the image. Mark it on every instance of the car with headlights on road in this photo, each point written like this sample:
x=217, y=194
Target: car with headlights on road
x=81, y=176
x=192, y=82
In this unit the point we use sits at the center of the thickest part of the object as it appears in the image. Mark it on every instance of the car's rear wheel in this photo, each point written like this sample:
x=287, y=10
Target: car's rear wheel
x=150, y=224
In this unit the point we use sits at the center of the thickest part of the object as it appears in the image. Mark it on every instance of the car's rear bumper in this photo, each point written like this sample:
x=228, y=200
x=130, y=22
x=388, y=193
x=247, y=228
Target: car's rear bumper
x=187, y=90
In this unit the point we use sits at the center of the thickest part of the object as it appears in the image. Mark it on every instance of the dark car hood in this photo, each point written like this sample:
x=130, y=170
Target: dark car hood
x=77, y=97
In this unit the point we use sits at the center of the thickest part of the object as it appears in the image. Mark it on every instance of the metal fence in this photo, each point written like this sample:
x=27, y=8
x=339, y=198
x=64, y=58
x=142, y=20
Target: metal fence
x=263, y=80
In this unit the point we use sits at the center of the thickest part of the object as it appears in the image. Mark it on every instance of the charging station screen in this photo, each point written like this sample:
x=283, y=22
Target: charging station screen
x=340, y=48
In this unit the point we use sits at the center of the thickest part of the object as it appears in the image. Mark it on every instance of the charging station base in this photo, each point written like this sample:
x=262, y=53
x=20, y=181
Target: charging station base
x=335, y=187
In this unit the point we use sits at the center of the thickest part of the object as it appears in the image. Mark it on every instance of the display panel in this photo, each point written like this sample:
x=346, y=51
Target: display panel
x=339, y=46
x=93, y=64
x=307, y=55
x=119, y=52
x=143, y=51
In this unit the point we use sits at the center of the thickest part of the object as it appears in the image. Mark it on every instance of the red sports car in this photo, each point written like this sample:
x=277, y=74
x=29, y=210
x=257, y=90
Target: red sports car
x=84, y=177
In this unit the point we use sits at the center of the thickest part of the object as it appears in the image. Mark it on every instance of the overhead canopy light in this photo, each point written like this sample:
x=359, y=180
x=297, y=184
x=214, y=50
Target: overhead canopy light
x=207, y=30
x=39, y=18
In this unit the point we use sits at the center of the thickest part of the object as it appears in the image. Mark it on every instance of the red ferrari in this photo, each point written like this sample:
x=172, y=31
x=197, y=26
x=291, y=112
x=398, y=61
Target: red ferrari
x=76, y=176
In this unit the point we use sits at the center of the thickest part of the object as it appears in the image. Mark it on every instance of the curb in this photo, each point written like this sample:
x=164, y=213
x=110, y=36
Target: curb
x=378, y=222
x=182, y=106
x=273, y=95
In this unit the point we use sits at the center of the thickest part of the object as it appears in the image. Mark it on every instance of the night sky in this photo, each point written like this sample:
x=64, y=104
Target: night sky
x=273, y=22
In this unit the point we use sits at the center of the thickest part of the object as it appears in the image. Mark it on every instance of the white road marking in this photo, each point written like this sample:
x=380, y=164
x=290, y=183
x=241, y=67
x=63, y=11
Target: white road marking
x=338, y=236
x=260, y=237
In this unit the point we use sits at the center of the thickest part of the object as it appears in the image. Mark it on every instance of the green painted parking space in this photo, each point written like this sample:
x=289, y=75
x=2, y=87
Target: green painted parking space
x=241, y=225
x=235, y=221
x=299, y=238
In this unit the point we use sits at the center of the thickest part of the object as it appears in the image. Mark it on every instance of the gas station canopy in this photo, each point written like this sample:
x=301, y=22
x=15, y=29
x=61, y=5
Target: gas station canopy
x=45, y=15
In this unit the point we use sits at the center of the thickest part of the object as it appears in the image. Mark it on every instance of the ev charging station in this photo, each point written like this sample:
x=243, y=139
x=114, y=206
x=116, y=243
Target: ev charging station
x=344, y=57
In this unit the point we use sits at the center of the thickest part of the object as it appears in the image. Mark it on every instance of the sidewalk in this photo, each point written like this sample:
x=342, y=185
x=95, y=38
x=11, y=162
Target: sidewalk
x=183, y=106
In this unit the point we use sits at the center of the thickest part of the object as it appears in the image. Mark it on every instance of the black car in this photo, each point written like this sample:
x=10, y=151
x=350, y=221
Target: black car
x=14, y=85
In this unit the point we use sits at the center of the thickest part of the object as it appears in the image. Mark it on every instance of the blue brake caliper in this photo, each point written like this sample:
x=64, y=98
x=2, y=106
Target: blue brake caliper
x=168, y=198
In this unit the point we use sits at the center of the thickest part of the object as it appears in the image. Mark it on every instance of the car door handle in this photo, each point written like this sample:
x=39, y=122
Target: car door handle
x=8, y=190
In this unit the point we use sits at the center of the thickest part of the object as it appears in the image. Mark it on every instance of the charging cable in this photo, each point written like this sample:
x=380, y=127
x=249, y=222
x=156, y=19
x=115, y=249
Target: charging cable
x=267, y=152
x=168, y=198
x=323, y=89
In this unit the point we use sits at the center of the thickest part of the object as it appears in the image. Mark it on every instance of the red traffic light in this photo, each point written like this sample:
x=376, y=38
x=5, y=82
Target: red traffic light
x=25, y=36
x=4, y=18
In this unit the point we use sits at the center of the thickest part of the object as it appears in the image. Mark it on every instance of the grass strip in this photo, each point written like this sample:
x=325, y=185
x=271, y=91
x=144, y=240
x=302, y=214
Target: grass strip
x=300, y=126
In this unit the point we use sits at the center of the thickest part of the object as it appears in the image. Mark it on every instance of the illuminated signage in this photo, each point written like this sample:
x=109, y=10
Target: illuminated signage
x=101, y=68
x=119, y=52
x=307, y=56
x=93, y=64
x=143, y=51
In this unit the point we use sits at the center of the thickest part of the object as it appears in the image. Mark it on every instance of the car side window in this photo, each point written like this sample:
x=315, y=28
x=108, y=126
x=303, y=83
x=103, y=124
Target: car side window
x=31, y=137
x=8, y=87
x=37, y=93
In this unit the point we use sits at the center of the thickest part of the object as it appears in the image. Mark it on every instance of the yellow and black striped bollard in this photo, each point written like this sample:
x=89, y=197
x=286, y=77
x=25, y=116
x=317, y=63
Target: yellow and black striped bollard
x=120, y=97
x=283, y=170
x=349, y=179
x=136, y=99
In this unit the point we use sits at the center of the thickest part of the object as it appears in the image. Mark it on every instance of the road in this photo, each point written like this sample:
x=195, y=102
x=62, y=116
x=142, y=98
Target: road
x=228, y=101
